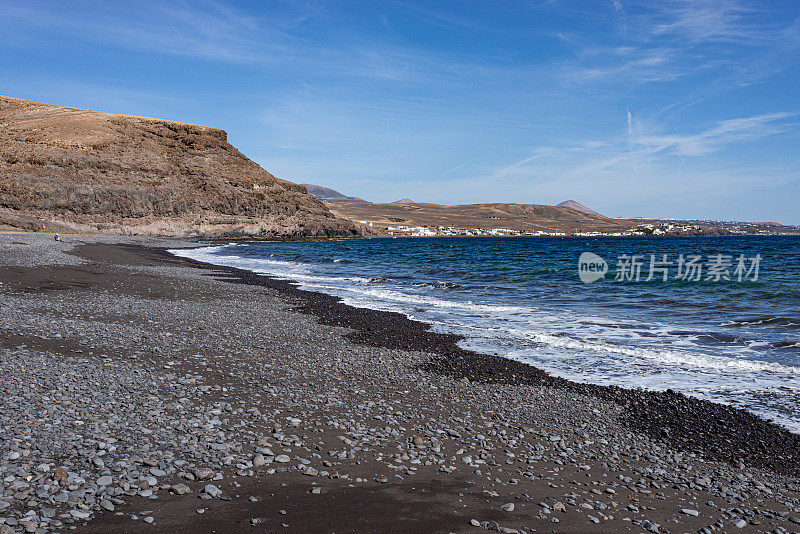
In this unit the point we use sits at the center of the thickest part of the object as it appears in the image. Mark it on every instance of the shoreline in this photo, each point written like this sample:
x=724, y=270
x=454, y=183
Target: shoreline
x=683, y=422
x=151, y=393
x=207, y=239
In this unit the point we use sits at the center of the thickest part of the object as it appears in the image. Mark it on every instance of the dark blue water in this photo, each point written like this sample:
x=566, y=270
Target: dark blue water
x=735, y=341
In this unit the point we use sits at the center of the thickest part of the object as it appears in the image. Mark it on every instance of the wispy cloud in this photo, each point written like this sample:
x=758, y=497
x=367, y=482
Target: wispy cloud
x=206, y=29
x=710, y=20
x=627, y=65
x=667, y=41
x=723, y=135
x=515, y=168
x=454, y=169
x=439, y=18
x=620, y=16
x=617, y=158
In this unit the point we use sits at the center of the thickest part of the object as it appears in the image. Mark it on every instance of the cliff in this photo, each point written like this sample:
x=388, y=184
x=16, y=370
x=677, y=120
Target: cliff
x=89, y=171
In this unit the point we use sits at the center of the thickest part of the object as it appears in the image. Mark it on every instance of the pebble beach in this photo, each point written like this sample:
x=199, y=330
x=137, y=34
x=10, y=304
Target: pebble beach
x=148, y=393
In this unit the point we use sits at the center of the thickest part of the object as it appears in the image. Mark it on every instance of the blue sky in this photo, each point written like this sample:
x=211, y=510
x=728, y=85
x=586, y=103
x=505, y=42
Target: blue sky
x=664, y=109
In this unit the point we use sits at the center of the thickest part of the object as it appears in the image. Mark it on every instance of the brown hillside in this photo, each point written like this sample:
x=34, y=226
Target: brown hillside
x=576, y=205
x=521, y=217
x=329, y=195
x=93, y=171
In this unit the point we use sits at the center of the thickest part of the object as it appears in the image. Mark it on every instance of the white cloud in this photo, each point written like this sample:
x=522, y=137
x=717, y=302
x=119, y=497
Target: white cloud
x=206, y=29
x=710, y=20
x=722, y=135
x=515, y=168
x=725, y=40
x=454, y=169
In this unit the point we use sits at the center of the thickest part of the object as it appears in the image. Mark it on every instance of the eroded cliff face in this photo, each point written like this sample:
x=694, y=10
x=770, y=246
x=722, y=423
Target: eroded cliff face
x=100, y=172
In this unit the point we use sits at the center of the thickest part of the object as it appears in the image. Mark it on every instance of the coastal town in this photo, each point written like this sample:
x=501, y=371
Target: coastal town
x=645, y=229
x=733, y=227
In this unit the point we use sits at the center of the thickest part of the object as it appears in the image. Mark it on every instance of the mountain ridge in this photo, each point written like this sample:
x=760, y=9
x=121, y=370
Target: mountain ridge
x=329, y=195
x=577, y=206
x=513, y=216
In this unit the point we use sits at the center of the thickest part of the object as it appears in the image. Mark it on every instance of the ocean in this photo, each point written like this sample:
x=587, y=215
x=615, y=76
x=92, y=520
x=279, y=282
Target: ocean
x=723, y=326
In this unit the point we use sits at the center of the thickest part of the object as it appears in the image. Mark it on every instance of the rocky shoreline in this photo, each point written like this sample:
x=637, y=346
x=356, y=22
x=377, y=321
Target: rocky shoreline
x=148, y=393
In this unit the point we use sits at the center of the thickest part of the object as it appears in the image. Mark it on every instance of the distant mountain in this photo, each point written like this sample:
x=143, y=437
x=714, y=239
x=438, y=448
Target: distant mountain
x=577, y=206
x=404, y=201
x=330, y=195
x=521, y=217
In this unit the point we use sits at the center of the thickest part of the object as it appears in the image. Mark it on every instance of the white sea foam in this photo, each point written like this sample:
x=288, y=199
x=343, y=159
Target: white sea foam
x=259, y=265
x=695, y=360
x=584, y=347
x=297, y=272
x=660, y=357
x=424, y=300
